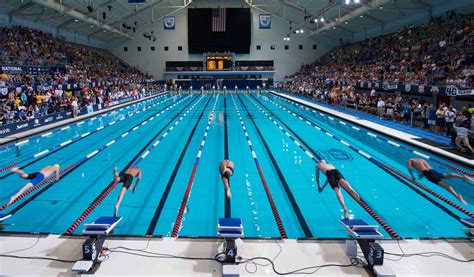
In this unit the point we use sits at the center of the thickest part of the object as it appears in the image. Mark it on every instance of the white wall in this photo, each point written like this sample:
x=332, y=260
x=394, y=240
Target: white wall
x=286, y=61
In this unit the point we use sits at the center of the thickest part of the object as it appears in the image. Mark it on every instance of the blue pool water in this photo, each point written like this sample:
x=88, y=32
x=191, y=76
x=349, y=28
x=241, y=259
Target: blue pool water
x=164, y=136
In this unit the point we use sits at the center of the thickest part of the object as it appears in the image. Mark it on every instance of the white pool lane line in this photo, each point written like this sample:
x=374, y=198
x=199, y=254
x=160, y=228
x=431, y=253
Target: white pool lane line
x=77, y=138
x=410, y=139
x=87, y=157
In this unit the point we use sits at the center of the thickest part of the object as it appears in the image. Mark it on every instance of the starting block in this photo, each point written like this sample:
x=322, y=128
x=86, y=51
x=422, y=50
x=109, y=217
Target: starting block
x=470, y=223
x=4, y=216
x=365, y=235
x=359, y=229
x=102, y=226
x=230, y=229
x=91, y=248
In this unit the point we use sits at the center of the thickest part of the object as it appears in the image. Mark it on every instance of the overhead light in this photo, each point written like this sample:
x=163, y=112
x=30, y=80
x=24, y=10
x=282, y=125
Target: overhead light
x=297, y=31
x=92, y=26
x=105, y=31
x=357, y=1
x=361, y=16
x=381, y=7
x=322, y=19
x=348, y=2
x=315, y=20
x=334, y=28
x=346, y=22
x=76, y=20
x=301, y=31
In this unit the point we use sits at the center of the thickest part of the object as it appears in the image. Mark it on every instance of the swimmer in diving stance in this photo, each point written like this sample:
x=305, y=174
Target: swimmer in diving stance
x=226, y=168
x=35, y=178
x=335, y=178
x=126, y=179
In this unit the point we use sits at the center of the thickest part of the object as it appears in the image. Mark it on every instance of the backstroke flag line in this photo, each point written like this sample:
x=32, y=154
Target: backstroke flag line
x=218, y=20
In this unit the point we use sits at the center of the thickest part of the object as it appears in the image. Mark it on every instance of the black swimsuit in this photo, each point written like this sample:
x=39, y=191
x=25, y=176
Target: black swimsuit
x=333, y=177
x=226, y=174
x=127, y=180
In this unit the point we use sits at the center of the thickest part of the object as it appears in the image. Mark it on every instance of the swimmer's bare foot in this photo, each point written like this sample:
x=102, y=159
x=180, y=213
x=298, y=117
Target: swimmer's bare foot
x=229, y=195
x=15, y=169
x=462, y=200
x=469, y=179
x=346, y=214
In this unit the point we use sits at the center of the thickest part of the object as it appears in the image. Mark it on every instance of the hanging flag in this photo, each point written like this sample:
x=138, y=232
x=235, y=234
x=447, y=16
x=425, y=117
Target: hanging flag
x=218, y=20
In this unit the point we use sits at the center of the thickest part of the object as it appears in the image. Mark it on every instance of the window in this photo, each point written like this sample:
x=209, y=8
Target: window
x=259, y=47
x=272, y=47
x=125, y=49
x=152, y=48
x=300, y=47
x=180, y=48
x=315, y=47
x=287, y=47
x=139, y=48
x=166, y=48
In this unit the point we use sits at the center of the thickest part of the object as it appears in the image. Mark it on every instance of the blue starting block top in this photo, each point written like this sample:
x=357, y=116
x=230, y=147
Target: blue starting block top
x=468, y=221
x=359, y=229
x=230, y=228
x=102, y=226
x=4, y=216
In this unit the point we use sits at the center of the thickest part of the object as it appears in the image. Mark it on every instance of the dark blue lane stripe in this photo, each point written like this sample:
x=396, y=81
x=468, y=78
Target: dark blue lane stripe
x=378, y=164
x=77, y=165
x=227, y=207
x=164, y=196
x=304, y=225
x=60, y=147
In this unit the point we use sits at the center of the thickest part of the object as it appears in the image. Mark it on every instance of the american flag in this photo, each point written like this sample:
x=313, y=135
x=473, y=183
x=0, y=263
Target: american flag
x=218, y=20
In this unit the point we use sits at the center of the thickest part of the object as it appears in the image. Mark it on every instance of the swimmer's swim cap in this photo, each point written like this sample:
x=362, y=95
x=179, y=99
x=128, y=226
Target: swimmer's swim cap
x=56, y=165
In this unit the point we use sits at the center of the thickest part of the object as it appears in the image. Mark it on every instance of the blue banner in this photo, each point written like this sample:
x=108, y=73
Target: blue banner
x=169, y=22
x=265, y=21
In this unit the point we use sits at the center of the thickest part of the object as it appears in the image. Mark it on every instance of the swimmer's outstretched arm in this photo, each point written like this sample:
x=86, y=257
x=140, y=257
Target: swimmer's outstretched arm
x=320, y=189
x=57, y=174
x=410, y=170
x=139, y=176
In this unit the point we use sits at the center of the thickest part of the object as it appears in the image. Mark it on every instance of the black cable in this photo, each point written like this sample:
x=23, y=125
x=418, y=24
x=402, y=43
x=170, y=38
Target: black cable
x=430, y=254
x=354, y=262
x=162, y=256
x=38, y=258
x=257, y=264
x=13, y=251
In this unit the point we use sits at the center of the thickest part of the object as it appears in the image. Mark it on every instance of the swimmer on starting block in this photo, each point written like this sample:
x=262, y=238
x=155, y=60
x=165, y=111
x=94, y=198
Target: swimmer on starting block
x=424, y=169
x=335, y=178
x=226, y=168
x=126, y=179
x=35, y=178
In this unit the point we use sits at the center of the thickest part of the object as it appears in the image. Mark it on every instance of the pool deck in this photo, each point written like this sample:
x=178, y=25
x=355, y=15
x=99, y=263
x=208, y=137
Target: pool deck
x=391, y=130
x=292, y=255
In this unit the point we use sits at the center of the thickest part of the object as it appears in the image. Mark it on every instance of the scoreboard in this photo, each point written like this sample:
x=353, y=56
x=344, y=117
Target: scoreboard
x=219, y=62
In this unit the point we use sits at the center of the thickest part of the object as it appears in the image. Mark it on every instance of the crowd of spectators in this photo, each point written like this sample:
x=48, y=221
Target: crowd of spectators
x=80, y=76
x=440, y=52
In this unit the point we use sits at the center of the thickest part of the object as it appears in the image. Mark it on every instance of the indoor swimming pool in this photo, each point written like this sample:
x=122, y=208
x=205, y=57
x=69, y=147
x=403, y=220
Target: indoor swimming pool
x=275, y=144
